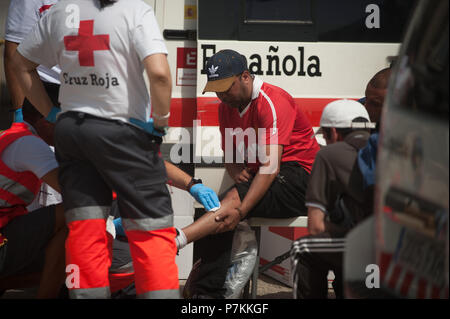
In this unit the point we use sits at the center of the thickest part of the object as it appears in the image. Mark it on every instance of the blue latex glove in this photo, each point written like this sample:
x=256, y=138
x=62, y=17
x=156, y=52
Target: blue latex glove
x=18, y=116
x=51, y=117
x=205, y=196
x=147, y=126
x=119, y=228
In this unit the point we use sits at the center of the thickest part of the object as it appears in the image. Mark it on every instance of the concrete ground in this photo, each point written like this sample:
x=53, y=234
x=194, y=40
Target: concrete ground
x=268, y=288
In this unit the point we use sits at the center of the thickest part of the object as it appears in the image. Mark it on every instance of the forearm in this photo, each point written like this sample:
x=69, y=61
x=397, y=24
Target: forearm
x=316, y=220
x=31, y=84
x=161, y=90
x=51, y=179
x=15, y=92
x=260, y=184
x=263, y=179
x=160, y=79
x=177, y=177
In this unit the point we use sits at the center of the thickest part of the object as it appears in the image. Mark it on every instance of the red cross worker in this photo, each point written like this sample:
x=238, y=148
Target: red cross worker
x=104, y=139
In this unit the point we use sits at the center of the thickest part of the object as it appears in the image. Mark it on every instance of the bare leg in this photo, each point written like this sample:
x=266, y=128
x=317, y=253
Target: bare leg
x=207, y=224
x=53, y=273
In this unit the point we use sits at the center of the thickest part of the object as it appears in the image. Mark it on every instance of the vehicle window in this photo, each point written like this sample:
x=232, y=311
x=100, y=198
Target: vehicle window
x=305, y=20
x=362, y=20
x=272, y=12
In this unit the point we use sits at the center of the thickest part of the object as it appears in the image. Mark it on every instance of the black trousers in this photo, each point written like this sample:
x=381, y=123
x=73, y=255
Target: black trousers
x=312, y=258
x=285, y=198
x=97, y=156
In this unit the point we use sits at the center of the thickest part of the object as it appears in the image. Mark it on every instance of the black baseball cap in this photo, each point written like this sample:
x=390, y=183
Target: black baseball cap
x=222, y=68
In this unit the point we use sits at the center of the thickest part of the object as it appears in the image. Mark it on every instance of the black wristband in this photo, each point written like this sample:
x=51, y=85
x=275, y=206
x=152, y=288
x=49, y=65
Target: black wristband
x=193, y=182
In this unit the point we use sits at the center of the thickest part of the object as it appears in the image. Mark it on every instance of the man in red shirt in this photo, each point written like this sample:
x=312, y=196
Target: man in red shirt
x=269, y=149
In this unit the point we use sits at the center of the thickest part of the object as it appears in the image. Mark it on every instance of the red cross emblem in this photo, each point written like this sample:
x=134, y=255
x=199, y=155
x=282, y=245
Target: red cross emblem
x=86, y=43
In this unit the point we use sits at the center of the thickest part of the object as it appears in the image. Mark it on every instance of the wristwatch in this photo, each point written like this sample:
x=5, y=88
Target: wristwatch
x=193, y=182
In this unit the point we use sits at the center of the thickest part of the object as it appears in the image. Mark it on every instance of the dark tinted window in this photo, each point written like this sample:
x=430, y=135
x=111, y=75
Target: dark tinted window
x=304, y=20
x=270, y=11
x=362, y=20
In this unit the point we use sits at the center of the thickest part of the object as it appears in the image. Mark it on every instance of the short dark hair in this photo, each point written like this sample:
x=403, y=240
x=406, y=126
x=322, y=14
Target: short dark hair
x=104, y=3
x=381, y=79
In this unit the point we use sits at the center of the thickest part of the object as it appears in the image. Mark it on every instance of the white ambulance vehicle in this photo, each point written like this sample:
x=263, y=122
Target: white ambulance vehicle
x=317, y=50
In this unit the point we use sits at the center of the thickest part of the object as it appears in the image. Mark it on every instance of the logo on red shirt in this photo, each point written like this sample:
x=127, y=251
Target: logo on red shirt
x=86, y=43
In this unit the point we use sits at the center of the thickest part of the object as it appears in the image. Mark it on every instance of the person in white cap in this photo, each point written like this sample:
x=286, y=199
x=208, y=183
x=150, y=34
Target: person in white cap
x=335, y=199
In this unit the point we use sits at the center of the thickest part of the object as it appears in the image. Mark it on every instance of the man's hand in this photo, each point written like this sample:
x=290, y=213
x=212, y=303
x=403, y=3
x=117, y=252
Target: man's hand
x=205, y=196
x=148, y=127
x=243, y=176
x=229, y=219
x=316, y=220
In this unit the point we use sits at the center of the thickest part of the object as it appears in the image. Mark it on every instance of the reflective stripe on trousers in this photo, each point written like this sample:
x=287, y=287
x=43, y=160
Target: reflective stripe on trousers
x=90, y=293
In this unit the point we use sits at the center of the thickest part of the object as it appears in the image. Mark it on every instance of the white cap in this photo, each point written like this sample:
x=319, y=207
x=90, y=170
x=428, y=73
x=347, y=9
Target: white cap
x=341, y=113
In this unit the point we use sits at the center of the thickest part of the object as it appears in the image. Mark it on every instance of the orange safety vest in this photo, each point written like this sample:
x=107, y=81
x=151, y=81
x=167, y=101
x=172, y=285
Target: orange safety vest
x=17, y=189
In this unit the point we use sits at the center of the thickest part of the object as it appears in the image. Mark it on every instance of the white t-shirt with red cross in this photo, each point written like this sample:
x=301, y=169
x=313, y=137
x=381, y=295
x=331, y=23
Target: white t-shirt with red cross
x=23, y=16
x=275, y=119
x=101, y=58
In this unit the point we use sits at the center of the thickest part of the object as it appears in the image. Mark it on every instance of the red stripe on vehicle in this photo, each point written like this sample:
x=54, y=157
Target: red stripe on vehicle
x=291, y=233
x=183, y=111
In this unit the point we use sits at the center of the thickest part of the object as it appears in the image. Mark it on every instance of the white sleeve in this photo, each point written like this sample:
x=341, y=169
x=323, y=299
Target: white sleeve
x=22, y=17
x=147, y=37
x=37, y=46
x=30, y=153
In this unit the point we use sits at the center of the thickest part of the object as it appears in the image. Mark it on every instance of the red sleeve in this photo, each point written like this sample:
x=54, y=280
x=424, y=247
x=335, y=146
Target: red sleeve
x=277, y=115
x=222, y=124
